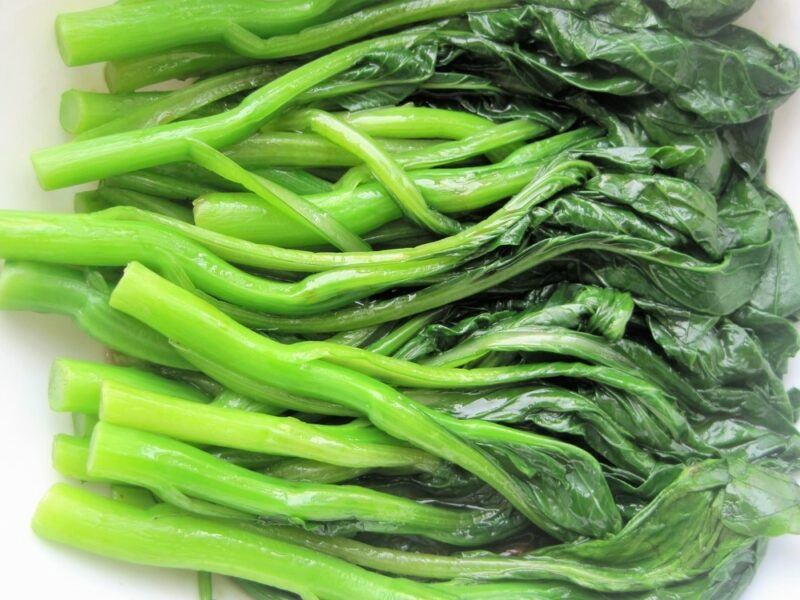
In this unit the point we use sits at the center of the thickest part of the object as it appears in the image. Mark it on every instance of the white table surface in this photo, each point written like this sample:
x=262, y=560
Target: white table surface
x=32, y=78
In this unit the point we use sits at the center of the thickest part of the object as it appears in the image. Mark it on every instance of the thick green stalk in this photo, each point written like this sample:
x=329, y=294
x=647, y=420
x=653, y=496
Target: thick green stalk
x=88, y=240
x=192, y=323
x=157, y=537
x=129, y=29
x=93, y=114
x=363, y=210
x=180, y=473
x=280, y=436
x=70, y=456
x=263, y=391
x=84, y=298
x=131, y=495
x=403, y=122
x=278, y=198
x=75, y=385
x=196, y=60
x=84, y=161
x=81, y=111
x=385, y=169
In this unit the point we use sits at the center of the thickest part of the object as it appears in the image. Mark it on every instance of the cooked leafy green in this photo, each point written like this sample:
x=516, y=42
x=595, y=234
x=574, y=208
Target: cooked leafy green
x=423, y=299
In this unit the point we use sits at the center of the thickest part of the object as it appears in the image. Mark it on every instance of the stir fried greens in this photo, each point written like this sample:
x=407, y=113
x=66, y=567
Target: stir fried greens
x=423, y=298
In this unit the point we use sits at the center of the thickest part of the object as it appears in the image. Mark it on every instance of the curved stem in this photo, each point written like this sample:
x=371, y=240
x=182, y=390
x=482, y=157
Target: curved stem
x=64, y=291
x=85, y=239
x=385, y=170
x=464, y=284
x=352, y=27
x=174, y=105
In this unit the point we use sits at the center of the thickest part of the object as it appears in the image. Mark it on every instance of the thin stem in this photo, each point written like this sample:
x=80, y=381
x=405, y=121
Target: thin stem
x=473, y=281
x=455, y=151
x=370, y=206
x=394, y=340
x=363, y=23
x=205, y=586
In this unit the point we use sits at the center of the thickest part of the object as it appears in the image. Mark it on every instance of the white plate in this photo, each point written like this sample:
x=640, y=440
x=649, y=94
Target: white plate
x=31, y=79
